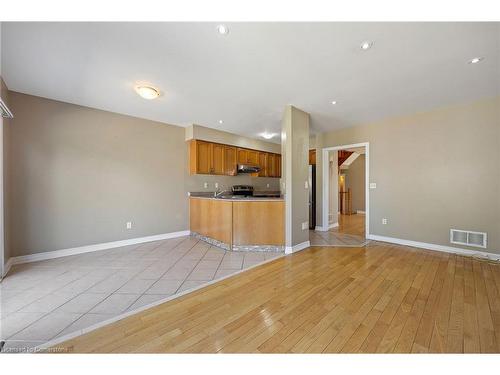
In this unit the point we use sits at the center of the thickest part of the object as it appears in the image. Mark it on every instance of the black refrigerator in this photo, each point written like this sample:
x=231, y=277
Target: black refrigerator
x=312, y=196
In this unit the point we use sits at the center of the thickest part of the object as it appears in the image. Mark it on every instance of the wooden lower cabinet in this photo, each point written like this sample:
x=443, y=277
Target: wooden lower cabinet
x=212, y=218
x=252, y=223
x=259, y=223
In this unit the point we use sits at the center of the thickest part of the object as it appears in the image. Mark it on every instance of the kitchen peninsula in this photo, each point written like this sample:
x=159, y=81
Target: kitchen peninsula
x=238, y=223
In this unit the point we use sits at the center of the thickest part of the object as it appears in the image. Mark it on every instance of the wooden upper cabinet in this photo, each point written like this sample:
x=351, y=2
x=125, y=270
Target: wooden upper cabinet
x=200, y=156
x=312, y=157
x=253, y=157
x=217, y=158
x=277, y=165
x=263, y=164
x=271, y=165
x=214, y=158
x=242, y=156
x=230, y=161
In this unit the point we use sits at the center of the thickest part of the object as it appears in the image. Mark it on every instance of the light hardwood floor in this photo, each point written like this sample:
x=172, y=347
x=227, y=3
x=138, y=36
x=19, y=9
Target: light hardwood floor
x=351, y=224
x=378, y=299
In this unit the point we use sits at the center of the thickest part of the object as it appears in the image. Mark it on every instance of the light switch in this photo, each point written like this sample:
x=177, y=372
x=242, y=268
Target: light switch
x=306, y=185
x=205, y=185
x=373, y=185
x=384, y=221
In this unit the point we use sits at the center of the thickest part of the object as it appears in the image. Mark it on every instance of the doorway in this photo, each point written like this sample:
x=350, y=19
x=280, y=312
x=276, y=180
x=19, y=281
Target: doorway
x=345, y=198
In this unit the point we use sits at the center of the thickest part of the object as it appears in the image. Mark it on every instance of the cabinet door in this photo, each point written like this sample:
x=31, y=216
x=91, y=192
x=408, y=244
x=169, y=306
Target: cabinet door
x=203, y=157
x=263, y=164
x=242, y=156
x=230, y=161
x=253, y=157
x=277, y=165
x=217, y=158
x=312, y=157
x=271, y=165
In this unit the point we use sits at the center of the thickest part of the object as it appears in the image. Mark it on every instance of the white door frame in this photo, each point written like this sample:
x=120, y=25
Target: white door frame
x=326, y=183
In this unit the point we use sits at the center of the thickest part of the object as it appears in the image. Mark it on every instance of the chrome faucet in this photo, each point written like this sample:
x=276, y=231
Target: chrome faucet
x=218, y=193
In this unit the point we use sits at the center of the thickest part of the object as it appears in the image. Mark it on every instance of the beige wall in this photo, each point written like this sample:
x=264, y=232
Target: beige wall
x=76, y=175
x=295, y=151
x=355, y=180
x=434, y=171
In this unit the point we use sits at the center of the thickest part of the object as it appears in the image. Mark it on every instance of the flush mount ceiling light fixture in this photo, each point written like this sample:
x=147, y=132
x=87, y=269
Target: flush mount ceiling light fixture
x=220, y=121
x=334, y=102
x=476, y=60
x=147, y=92
x=267, y=135
x=222, y=29
x=366, y=45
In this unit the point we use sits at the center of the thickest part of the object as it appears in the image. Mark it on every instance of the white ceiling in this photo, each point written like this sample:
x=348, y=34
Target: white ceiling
x=246, y=77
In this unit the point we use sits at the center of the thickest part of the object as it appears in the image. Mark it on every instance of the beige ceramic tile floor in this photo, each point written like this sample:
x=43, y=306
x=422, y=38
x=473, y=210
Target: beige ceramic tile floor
x=44, y=300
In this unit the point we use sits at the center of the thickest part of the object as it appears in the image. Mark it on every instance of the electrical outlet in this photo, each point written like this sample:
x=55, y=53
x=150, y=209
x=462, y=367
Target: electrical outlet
x=305, y=225
x=205, y=185
x=216, y=185
x=267, y=185
x=129, y=225
x=384, y=221
x=306, y=185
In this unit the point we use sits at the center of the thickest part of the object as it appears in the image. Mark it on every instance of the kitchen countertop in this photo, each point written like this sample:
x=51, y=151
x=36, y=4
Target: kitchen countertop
x=232, y=198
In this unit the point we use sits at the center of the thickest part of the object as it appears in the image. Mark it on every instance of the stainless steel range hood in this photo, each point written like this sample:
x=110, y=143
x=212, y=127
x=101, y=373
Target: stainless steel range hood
x=248, y=168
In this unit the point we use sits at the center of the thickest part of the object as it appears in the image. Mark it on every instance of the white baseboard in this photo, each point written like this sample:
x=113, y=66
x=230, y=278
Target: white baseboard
x=7, y=267
x=298, y=247
x=359, y=212
x=430, y=246
x=97, y=247
x=325, y=229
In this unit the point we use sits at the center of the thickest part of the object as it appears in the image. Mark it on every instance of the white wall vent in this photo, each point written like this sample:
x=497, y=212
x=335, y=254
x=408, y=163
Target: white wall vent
x=468, y=238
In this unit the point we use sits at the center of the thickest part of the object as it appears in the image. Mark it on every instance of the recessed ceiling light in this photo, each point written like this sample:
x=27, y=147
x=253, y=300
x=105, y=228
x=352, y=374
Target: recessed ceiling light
x=222, y=29
x=147, y=92
x=334, y=102
x=267, y=135
x=475, y=60
x=366, y=45
x=220, y=121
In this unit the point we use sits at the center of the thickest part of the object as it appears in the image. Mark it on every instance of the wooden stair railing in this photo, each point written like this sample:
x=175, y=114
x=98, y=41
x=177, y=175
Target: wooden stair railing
x=342, y=157
x=345, y=202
